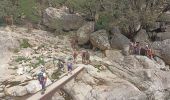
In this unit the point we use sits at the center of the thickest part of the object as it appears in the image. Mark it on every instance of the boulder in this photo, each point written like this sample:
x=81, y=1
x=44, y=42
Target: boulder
x=163, y=36
x=17, y=91
x=118, y=41
x=141, y=37
x=61, y=20
x=57, y=96
x=83, y=34
x=2, y=95
x=34, y=86
x=162, y=50
x=99, y=39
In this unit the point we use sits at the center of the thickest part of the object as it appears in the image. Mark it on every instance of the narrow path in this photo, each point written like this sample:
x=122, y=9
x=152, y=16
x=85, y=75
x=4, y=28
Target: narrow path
x=51, y=89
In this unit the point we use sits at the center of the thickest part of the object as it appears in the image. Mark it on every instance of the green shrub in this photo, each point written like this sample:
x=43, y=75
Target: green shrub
x=22, y=58
x=24, y=43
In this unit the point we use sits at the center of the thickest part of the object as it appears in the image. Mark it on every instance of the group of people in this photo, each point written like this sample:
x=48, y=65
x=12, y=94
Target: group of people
x=136, y=48
x=85, y=56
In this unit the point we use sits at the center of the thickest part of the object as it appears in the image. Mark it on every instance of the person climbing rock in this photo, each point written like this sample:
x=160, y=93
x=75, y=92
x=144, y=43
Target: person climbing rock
x=42, y=78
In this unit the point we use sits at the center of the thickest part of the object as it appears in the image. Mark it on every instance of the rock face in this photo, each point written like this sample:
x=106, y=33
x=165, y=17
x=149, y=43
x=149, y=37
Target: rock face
x=162, y=49
x=92, y=85
x=143, y=73
x=59, y=19
x=100, y=39
x=83, y=34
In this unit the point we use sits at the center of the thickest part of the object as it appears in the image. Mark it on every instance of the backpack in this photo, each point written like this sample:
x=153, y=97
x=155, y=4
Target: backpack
x=40, y=77
x=69, y=64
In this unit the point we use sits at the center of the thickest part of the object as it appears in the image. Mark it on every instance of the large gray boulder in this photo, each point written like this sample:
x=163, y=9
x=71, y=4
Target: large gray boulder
x=119, y=41
x=142, y=37
x=60, y=19
x=17, y=91
x=34, y=86
x=99, y=39
x=162, y=50
x=83, y=34
x=163, y=35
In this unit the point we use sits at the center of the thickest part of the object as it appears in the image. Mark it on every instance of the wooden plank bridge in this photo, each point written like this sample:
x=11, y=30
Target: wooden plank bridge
x=51, y=89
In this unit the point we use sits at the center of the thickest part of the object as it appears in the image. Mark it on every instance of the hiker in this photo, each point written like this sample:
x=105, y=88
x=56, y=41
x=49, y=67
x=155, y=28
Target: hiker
x=149, y=52
x=131, y=48
x=75, y=54
x=83, y=55
x=69, y=65
x=61, y=64
x=8, y=20
x=137, y=48
x=74, y=43
x=42, y=77
x=87, y=57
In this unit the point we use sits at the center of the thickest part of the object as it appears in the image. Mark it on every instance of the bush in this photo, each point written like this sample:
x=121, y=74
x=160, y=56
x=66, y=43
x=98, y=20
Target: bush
x=25, y=44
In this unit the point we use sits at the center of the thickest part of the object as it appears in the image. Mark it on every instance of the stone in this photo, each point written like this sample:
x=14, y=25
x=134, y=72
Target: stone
x=121, y=42
x=34, y=86
x=99, y=39
x=163, y=36
x=2, y=95
x=61, y=20
x=83, y=34
x=17, y=91
x=162, y=49
x=57, y=96
x=142, y=37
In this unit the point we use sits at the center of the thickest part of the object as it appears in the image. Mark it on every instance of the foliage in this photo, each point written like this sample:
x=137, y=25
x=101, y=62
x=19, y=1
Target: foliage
x=21, y=58
x=30, y=10
x=40, y=61
x=25, y=44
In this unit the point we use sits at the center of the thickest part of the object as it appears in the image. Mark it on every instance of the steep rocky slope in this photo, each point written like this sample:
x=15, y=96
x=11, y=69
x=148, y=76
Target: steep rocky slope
x=114, y=77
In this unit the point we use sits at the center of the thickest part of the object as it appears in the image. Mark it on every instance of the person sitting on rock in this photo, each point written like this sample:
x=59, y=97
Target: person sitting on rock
x=42, y=77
